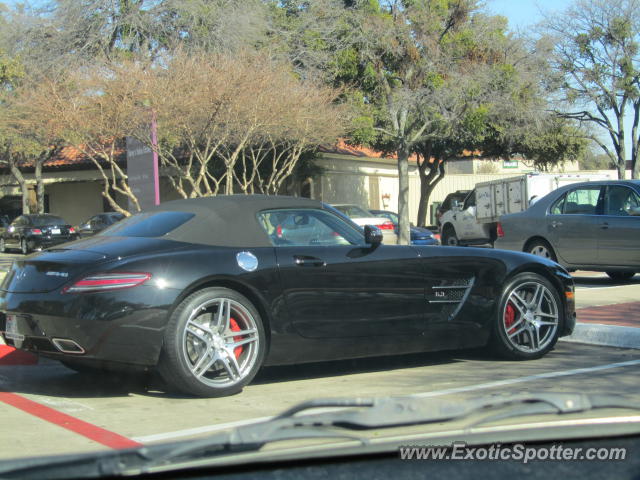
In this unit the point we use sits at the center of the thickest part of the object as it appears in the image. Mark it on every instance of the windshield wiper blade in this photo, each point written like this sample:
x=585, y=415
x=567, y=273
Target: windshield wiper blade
x=387, y=412
x=333, y=418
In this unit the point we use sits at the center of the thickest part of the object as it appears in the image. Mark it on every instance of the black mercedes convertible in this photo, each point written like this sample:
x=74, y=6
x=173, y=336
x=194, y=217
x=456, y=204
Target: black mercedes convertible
x=208, y=290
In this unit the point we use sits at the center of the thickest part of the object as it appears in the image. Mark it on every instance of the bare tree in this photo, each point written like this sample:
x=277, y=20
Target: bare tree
x=241, y=121
x=596, y=55
x=91, y=109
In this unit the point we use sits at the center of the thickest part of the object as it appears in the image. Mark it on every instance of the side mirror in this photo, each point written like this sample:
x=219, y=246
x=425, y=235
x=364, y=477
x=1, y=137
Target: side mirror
x=372, y=235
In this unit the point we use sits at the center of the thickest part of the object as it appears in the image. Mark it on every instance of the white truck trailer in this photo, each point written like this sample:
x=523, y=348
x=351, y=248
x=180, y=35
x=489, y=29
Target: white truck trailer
x=474, y=222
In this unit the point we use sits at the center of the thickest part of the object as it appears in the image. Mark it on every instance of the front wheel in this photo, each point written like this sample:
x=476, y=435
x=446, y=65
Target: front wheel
x=24, y=246
x=449, y=237
x=528, y=320
x=214, y=344
x=621, y=276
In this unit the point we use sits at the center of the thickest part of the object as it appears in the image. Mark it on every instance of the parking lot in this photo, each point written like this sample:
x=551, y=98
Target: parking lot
x=47, y=401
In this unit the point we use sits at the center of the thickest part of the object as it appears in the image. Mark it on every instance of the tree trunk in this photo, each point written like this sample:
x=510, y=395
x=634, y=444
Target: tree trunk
x=39, y=185
x=404, y=234
x=428, y=182
x=24, y=188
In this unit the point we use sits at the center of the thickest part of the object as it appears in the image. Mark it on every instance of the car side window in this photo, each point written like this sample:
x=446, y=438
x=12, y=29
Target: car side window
x=20, y=222
x=558, y=206
x=582, y=201
x=620, y=201
x=470, y=201
x=307, y=228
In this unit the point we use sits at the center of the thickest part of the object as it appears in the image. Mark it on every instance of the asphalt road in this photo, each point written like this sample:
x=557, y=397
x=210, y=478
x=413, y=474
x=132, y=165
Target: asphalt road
x=48, y=409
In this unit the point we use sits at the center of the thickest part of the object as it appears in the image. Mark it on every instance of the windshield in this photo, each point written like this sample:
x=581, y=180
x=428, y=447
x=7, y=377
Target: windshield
x=220, y=213
x=353, y=211
x=148, y=224
x=389, y=215
x=45, y=220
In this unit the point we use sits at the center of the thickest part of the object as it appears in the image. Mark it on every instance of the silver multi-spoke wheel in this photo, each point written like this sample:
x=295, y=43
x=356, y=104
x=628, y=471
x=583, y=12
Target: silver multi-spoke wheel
x=214, y=343
x=220, y=342
x=530, y=317
x=541, y=251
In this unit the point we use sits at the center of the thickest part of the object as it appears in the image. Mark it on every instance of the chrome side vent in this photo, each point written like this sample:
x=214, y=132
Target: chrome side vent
x=451, y=293
x=67, y=346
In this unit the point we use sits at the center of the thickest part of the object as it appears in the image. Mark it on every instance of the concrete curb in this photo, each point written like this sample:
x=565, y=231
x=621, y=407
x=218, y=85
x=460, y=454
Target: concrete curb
x=606, y=335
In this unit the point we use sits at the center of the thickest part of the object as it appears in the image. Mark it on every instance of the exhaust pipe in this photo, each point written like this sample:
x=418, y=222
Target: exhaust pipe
x=67, y=346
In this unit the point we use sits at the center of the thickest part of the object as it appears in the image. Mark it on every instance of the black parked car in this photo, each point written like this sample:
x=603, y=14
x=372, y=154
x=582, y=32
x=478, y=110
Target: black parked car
x=33, y=232
x=98, y=222
x=211, y=289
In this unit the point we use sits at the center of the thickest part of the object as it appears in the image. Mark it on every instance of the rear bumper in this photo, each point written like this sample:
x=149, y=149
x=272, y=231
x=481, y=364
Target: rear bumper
x=389, y=237
x=124, y=326
x=45, y=242
x=425, y=241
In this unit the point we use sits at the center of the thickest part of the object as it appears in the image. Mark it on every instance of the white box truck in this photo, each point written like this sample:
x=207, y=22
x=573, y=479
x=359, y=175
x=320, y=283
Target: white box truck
x=474, y=221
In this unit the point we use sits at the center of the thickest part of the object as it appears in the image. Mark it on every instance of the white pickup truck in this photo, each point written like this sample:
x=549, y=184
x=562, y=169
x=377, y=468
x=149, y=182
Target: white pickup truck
x=475, y=221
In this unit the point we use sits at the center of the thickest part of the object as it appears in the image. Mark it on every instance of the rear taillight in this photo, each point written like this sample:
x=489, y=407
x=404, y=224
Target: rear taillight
x=100, y=282
x=499, y=230
x=386, y=226
x=36, y=231
x=72, y=230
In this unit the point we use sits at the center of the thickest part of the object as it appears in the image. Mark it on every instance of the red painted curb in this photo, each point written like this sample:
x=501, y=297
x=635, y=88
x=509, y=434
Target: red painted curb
x=88, y=430
x=12, y=356
x=620, y=314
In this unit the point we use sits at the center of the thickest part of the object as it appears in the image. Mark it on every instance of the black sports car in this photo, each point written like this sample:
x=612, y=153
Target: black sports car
x=36, y=231
x=210, y=289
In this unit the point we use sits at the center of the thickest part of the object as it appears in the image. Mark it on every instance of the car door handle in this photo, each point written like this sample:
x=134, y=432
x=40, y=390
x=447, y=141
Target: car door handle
x=555, y=224
x=604, y=226
x=306, y=261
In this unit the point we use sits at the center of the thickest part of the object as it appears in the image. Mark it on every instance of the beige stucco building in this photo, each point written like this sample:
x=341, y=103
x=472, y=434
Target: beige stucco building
x=73, y=186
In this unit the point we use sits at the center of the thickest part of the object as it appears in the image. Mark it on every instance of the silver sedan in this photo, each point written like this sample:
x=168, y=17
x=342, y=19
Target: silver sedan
x=583, y=226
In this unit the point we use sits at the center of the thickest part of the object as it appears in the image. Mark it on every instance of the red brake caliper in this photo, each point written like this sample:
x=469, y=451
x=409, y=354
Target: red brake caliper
x=509, y=317
x=234, y=327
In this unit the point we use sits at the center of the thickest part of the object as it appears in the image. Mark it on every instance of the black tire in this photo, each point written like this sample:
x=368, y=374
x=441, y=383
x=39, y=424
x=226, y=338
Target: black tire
x=621, y=276
x=541, y=248
x=449, y=237
x=24, y=246
x=205, y=360
x=513, y=334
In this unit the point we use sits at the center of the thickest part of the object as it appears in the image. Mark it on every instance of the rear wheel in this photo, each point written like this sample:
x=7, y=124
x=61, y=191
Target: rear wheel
x=214, y=344
x=529, y=318
x=24, y=246
x=542, y=248
x=621, y=276
x=449, y=237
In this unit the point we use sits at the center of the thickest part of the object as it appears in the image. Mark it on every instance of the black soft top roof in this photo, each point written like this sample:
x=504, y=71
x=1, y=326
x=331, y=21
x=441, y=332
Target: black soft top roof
x=228, y=220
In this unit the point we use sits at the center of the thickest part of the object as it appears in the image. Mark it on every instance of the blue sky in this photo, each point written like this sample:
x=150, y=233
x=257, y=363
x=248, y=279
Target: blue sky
x=524, y=13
